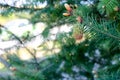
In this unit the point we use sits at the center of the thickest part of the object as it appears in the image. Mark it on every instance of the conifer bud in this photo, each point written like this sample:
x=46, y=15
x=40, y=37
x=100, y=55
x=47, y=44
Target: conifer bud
x=116, y=8
x=79, y=19
x=78, y=36
x=68, y=8
x=12, y=68
x=66, y=14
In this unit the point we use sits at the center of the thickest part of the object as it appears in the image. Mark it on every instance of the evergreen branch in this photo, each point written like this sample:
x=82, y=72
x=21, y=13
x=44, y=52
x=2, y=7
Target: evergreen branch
x=5, y=62
x=109, y=1
x=61, y=22
x=100, y=28
x=107, y=34
x=19, y=8
x=21, y=42
x=44, y=69
x=27, y=72
x=107, y=6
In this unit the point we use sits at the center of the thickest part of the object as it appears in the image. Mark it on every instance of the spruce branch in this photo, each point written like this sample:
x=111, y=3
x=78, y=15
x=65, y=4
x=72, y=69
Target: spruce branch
x=21, y=42
x=107, y=6
x=19, y=8
x=5, y=62
x=103, y=27
x=107, y=34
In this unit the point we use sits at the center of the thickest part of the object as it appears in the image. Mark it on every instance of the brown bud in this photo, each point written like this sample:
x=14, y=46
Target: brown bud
x=78, y=36
x=68, y=8
x=12, y=68
x=79, y=19
x=66, y=14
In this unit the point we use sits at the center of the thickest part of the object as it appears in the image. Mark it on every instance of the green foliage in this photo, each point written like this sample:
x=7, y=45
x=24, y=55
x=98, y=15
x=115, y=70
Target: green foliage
x=107, y=6
x=45, y=33
x=109, y=76
x=100, y=26
x=0, y=31
x=82, y=11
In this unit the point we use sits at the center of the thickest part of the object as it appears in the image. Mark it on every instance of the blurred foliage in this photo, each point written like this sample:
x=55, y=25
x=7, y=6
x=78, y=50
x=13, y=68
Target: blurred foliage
x=92, y=46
